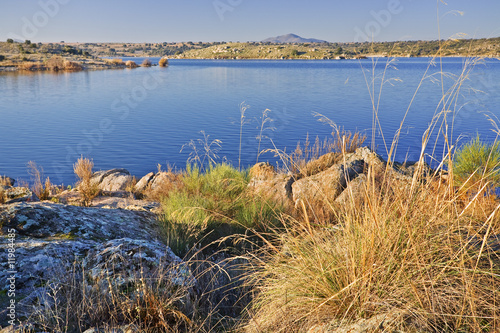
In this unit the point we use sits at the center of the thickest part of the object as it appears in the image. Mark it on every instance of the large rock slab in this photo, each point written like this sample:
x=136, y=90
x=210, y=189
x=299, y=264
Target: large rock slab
x=46, y=219
x=112, y=180
x=53, y=245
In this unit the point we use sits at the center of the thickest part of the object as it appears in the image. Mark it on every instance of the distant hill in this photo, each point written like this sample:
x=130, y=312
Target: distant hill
x=292, y=38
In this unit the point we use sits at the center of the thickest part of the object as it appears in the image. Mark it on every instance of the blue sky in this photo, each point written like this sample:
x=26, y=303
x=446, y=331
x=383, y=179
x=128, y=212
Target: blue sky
x=244, y=20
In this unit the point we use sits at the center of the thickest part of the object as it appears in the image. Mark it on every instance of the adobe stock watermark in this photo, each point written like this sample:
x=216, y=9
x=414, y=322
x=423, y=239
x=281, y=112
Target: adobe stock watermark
x=381, y=19
x=39, y=20
x=120, y=111
x=223, y=6
x=11, y=279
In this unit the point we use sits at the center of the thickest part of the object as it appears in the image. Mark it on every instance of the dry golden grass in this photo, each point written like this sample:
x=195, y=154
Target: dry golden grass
x=169, y=182
x=42, y=190
x=115, y=61
x=163, y=62
x=72, y=66
x=131, y=64
x=3, y=199
x=88, y=189
x=30, y=66
x=309, y=159
x=55, y=63
x=419, y=252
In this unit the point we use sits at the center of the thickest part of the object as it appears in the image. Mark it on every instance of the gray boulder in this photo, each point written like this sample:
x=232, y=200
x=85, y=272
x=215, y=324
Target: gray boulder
x=143, y=183
x=112, y=180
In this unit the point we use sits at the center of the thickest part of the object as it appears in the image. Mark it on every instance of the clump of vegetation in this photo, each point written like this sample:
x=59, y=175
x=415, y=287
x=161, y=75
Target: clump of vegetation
x=2, y=57
x=89, y=189
x=3, y=199
x=42, y=190
x=30, y=66
x=156, y=304
x=131, y=64
x=55, y=63
x=72, y=66
x=115, y=61
x=163, y=62
x=408, y=252
x=476, y=165
x=213, y=205
x=146, y=63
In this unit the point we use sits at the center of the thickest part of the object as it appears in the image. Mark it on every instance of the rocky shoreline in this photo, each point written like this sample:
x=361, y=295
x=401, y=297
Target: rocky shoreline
x=118, y=242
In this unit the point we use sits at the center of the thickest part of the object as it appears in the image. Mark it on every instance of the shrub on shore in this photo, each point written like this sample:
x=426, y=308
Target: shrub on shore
x=42, y=190
x=115, y=61
x=476, y=165
x=131, y=64
x=213, y=205
x=88, y=189
x=30, y=66
x=163, y=62
x=55, y=63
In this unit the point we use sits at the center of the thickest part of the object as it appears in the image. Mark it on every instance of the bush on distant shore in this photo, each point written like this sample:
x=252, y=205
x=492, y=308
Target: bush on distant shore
x=72, y=66
x=55, y=63
x=131, y=64
x=2, y=57
x=115, y=61
x=163, y=62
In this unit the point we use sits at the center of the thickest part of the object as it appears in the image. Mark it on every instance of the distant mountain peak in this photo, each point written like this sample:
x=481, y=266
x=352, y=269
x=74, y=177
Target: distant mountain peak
x=292, y=38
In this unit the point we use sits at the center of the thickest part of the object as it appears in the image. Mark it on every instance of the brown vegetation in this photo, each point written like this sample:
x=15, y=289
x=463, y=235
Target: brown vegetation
x=131, y=64
x=88, y=189
x=42, y=191
x=163, y=62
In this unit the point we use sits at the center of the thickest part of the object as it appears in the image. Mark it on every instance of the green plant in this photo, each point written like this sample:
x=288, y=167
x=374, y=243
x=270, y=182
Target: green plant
x=211, y=206
x=88, y=188
x=2, y=57
x=477, y=164
x=10, y=40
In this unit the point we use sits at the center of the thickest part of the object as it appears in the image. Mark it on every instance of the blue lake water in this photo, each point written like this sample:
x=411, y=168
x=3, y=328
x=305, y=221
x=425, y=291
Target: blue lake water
x=135, y=119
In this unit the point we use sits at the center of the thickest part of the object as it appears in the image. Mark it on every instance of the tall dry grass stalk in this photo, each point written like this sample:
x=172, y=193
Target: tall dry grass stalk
x=243, y=108
x=204, y=153
x=89, y=190
x=263, y=128
x=42, y=190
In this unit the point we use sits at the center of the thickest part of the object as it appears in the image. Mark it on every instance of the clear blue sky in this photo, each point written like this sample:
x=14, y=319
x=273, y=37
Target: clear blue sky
x=244, y=20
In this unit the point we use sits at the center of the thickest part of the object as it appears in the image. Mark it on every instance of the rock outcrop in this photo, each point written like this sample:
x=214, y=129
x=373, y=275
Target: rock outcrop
x=112, y=180
x=331, y=178
x=49, y=242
